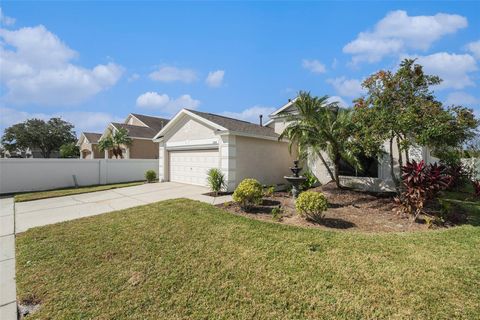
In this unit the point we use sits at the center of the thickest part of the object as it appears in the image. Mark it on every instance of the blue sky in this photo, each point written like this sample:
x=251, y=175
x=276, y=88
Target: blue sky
x=95, y=62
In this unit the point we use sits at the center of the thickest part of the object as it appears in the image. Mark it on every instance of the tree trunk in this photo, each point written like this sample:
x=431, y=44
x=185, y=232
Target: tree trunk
x=392, y=167
x=319, y=154
x=400, y=164
x=336, y=167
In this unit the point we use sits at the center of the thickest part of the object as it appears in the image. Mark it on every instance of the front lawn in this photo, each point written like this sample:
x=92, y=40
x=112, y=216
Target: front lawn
x=21, y=197
x=182, y=259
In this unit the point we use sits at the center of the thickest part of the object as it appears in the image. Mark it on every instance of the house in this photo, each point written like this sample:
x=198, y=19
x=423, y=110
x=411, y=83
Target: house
x=376, y=175
x=193, y=142
x=141, y=129
x=88, y=144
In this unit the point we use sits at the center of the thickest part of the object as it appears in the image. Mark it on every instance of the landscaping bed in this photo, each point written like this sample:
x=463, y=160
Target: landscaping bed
x=347, y=210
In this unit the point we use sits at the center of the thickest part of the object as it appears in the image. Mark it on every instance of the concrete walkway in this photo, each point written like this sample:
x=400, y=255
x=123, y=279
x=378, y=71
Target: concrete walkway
x=47, y=211
x=8, y=296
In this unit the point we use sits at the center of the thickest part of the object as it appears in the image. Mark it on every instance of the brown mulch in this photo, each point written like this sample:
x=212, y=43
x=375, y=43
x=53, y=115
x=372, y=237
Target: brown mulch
x=348, y=210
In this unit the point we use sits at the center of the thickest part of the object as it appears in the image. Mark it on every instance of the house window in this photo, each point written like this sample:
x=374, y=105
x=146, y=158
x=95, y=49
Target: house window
x=369, y=168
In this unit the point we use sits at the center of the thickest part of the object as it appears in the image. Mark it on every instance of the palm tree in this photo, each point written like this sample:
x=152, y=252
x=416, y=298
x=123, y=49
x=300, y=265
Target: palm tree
x=115, y=142
x=319, y=126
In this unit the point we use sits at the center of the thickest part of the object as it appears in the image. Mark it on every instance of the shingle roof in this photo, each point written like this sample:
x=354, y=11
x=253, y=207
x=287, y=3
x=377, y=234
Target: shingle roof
x=136, y=131
x=237, y=125
x=155, y=123
x=92, y=137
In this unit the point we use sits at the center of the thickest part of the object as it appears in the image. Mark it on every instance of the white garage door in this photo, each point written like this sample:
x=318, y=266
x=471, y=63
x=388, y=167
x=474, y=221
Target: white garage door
x=191, y=166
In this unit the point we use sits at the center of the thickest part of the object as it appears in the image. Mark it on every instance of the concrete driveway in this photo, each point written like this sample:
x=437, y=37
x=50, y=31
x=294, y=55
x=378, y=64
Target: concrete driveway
x=47, y=211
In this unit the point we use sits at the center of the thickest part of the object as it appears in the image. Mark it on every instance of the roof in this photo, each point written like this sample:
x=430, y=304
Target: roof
x=284, y=107
x=237, y=125
x=136, y=131
x=155, y=123
x=92, y=137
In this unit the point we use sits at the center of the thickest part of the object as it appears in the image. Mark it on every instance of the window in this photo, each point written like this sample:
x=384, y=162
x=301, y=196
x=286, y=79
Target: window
x=369, y=168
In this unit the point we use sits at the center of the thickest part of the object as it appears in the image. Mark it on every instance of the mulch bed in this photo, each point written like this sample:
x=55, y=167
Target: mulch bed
x=348, y=210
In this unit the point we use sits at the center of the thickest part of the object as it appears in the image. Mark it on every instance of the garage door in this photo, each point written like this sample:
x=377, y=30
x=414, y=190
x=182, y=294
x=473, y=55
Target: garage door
x=191, y=166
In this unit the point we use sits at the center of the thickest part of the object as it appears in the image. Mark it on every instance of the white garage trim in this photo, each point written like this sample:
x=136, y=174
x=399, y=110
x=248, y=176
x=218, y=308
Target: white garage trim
x=191, y=166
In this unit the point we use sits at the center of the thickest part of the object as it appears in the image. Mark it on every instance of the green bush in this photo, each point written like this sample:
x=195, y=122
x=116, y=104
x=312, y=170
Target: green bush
x=311, y=205
x=310, y=181
x=216, y=180
x=248, y=193
x=150, y=175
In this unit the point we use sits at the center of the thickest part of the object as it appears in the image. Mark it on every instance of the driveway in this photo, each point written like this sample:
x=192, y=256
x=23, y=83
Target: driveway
x=47, y=211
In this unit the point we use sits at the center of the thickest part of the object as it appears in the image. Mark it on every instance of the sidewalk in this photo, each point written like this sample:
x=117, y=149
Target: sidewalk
x=8, y=296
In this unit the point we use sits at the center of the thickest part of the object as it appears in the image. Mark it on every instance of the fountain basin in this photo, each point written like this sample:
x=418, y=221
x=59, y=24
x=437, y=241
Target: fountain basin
x=296, y=182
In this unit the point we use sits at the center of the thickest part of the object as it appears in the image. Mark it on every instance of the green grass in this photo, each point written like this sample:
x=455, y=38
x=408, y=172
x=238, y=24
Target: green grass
x=22, y=197
x=181, y=259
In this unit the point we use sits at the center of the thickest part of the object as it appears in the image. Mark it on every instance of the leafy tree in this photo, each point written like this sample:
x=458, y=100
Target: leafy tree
x=401, y=108
x=37, y=134
x=115, y=141
x=69, y=150
x=322, y=127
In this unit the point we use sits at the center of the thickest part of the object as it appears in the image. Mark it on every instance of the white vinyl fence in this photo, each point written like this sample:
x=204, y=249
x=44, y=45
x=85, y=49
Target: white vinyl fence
x=19, y=175
x=473, y=164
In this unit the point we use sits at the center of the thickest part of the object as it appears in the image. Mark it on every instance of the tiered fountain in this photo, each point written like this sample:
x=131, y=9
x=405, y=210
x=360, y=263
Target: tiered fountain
x=295, y=180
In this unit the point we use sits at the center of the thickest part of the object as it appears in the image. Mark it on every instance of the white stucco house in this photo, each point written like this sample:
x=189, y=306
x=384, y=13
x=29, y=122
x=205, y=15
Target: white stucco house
x=193, y=142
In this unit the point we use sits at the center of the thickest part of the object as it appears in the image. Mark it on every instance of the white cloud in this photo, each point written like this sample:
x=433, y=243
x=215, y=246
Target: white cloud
x=172, y=74
x=7, y=21
x=347, y=87
x=454, y=69
x=398, y=31
x=215, y=78
x=251, y=114
x=462, y=98
x=82, y=120
x=474, y=48
x=314, y=66
x=166, y=104
x=38, y=70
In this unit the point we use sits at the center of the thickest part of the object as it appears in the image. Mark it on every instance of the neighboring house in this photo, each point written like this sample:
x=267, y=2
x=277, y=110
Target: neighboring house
x=88, y=144
x=376, y=174
x=193, y=142
x=141, y=129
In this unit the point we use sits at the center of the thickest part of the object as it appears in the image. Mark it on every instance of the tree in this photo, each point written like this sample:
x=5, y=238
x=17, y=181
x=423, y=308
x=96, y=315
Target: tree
x=115, y=142
x=401, y=108
x=321, y=127
x=69, y=150
x=37, y=134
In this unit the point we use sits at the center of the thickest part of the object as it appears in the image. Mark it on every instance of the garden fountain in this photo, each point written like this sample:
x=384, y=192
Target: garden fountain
x=295, y=180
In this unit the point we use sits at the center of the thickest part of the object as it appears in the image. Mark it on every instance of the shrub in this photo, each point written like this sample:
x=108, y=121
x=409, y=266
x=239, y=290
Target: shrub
x=458, y=174
x=311, y=205
x=216, y=180
x=277, y=213
x=268, y=191
x=248, y=193
x=310, y=182
x=421, y=183
x=150, y=175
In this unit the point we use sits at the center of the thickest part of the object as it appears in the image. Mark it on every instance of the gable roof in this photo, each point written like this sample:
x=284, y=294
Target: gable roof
x=156, y=123
x=284, y=107
x=136, y=131
x=92, y=137
x=237, y=125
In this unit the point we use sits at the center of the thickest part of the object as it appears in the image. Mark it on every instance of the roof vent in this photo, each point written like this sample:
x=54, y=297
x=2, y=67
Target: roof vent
x=261, y=122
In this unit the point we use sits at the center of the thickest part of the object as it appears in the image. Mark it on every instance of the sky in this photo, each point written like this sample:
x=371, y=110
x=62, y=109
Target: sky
x=95, y=62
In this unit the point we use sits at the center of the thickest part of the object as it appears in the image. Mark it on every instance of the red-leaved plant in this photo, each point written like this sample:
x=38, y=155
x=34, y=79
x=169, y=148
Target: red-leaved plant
x=476, y=188
x=421, y=183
